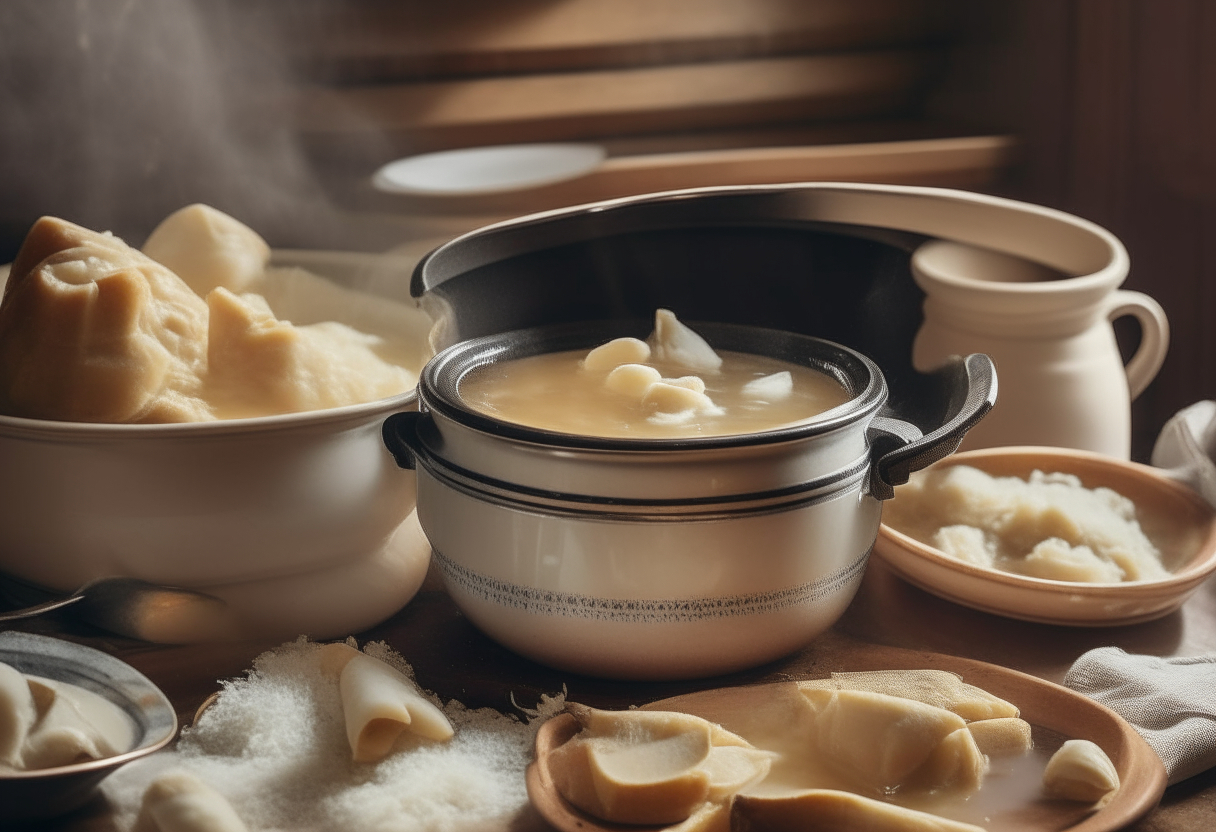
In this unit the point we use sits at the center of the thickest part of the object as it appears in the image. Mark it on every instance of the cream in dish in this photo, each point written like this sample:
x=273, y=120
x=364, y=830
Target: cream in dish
x=46, y=723
x=92, y=330
x=671, y=385
x=1047, y=526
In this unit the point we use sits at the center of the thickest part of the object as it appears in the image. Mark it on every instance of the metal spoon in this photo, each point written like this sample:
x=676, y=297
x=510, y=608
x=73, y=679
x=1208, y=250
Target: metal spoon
x=138, y=609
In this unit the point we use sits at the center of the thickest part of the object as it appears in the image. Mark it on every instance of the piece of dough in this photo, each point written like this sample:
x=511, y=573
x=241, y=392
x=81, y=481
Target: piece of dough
x=207, y=248
x=17, y=714
x=380, y=704
x=616, y=352
x=179, y=802
x=259, y=365
x=1080, y=770
x=653, y=767
x=632, y=380
x=1002, y=737
x=675, y=343
x=829, y=810
x=939, y=688
x=956, y=764
x=877, y=741
x=772, y=388
x=91, y=330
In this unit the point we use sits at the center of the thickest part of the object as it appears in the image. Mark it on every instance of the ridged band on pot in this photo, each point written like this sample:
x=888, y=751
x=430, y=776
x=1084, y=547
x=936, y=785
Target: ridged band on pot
x=655, y=594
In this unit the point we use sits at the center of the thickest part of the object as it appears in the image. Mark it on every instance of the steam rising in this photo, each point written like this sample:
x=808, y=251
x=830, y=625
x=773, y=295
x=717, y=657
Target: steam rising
x=113, y=113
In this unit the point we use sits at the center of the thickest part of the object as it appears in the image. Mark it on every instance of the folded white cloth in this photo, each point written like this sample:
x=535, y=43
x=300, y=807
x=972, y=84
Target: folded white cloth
x=1186, y=448
x=1170, y=702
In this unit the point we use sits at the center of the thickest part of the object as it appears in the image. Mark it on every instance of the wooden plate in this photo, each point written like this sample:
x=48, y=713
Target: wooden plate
x=1054, y=711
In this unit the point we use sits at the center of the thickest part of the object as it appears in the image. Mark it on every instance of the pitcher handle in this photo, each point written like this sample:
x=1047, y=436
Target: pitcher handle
x=1154, y=336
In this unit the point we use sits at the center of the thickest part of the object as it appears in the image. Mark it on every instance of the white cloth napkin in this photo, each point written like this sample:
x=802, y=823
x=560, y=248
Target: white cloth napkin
x=1170, y=702
x=1186, y=447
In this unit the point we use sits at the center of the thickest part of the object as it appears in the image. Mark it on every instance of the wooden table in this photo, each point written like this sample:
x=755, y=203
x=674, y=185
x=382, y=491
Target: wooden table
x=456, y=661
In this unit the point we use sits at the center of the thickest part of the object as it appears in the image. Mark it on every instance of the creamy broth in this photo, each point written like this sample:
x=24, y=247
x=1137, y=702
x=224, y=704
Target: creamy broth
x=555, y=392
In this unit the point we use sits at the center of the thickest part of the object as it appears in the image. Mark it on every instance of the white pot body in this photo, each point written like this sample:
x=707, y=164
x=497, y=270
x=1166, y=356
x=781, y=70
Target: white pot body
x=647, y=598
x=1063, y=381
x=222, y=506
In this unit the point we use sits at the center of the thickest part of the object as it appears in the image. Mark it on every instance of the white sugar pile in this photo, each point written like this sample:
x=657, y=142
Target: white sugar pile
x=274, y=744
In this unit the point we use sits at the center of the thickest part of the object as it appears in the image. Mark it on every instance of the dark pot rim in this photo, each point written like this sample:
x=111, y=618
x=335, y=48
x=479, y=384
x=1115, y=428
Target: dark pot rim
x=861, y=377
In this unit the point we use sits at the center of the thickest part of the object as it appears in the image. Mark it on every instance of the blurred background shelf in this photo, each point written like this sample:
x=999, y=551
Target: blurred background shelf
x=341, y=42
x=681, y=93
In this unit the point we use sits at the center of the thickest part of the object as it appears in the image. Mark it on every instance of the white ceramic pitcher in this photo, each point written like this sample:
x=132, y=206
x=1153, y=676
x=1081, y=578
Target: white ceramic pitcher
x=1062, y=379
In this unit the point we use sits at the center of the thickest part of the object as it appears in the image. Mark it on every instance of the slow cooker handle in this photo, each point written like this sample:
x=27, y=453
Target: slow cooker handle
x=398, y=431
x=898, y=452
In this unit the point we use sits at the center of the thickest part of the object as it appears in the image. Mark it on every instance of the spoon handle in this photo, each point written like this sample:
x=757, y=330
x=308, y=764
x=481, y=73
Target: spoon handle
x=39, y=609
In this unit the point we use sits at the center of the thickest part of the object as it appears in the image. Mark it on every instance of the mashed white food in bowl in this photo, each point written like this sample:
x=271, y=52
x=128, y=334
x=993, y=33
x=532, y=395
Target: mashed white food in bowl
x=1047, y=525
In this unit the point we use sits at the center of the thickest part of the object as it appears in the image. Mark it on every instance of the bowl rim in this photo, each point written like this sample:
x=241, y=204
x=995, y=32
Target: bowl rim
x=1201, y=564
x=18, y=426
x=151, y=699
x=438, y=383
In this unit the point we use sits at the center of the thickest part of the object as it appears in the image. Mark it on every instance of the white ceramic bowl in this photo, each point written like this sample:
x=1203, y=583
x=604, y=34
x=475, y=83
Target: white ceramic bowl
x=302, y=522
x=1160, y=501
x=43, y=793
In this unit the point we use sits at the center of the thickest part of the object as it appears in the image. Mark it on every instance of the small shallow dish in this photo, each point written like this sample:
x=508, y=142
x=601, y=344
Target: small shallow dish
x=1162, y=503
x=44, y=793
x=1054, y=712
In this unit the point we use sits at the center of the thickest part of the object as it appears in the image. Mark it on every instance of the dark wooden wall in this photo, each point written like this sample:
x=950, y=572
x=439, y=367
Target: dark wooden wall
x=1115, y=105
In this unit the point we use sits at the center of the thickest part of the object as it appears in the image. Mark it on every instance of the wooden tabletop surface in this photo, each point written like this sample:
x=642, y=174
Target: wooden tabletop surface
x=456, y=661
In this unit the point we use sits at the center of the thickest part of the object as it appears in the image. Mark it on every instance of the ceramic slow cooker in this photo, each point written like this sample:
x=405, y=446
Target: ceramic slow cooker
x=664, y=558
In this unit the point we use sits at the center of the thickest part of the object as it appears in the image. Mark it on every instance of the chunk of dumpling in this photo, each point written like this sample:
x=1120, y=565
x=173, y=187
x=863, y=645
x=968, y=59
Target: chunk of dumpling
x=1080, y=770
x=939, y=688
x=956, y=764
x=616, y=352
x=380, y=704
x=17, y=715
x=632, y=380
x=1003, y=736
x=828, y=810
x=674, y=343
x=694, y=383
x=207, y=248
x=93, y=331
x=648, y=780
x=259, y=365
x=772, y=388
x=675, y=403
x=179, y=802
x=732, y=768
x=653, y=767
x=881, y=742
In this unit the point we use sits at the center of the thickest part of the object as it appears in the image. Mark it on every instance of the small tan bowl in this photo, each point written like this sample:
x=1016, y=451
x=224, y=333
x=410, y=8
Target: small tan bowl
x=1160, y=502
